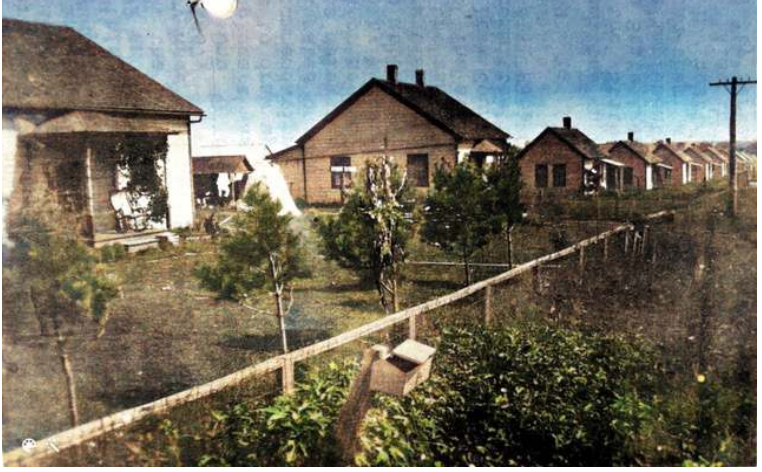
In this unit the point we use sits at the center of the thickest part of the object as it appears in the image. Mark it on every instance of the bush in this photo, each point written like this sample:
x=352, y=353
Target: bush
x=521, y=396
x=296, y=430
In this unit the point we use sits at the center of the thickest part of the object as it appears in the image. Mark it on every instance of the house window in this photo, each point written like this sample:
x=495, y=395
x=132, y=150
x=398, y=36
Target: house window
x=628, y=177
x=541, y=175
x=559, y=175
x=418, y=169
x=341, y=177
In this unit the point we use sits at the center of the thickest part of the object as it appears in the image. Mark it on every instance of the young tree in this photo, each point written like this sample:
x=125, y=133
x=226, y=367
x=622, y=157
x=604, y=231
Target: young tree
x=372, y=230
x=261, y=250
x=64, y=282
x=504, y=180
x=459, y=216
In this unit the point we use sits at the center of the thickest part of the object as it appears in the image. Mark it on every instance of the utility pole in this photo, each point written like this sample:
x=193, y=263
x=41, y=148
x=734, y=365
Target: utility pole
x=734, y=90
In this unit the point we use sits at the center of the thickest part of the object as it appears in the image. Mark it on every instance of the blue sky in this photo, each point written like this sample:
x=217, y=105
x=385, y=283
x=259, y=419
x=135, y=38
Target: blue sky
x=278, y=66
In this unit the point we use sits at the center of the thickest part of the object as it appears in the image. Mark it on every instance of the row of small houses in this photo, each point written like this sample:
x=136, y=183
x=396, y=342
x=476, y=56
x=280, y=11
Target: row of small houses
x=69, y=106
x=423, y=128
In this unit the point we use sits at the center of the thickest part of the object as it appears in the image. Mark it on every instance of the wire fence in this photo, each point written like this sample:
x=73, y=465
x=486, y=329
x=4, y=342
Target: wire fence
x=543, y=278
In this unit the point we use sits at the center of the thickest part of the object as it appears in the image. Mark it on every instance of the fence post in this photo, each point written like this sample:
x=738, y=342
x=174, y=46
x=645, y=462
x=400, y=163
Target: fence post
x=488, y=311
x=626, y=240
x=287, y=375
x=606, y=248
x=412, y=327
x=643, y=243
x=536, y=279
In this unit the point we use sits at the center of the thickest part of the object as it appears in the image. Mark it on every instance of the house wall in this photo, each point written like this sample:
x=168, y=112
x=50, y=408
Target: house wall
x=319, y=169
x=291, y=165
x=678, y=166
x=639, y=166
x=375, y=121
x=179, y=180
x=550, y=150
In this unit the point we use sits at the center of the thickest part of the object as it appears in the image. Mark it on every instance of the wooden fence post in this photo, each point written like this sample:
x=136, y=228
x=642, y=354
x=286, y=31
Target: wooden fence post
x=536, y=286
x=643, y=243
x=488, y=310
x=287, y=375
x=626, y=240
x=357, y=405
x=606, y=248
x=412, y=327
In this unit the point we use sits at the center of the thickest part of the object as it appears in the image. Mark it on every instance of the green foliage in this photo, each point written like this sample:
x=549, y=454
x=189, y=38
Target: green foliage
x=459, y=212
x=59, y=270
x=145, y=161
x=504, y=180
x=296, y=430
x=113, y=253
x=258, y=234
x=521, y=396
x=350, y=238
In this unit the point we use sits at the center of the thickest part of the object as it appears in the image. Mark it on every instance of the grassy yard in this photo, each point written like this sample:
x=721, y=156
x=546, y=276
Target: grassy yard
x=166, y=334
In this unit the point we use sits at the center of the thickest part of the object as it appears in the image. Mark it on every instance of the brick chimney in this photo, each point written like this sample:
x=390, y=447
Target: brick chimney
x=419, y=78
x=631, y=136
x=567, y=122
x=669, y=140
x=391, y=73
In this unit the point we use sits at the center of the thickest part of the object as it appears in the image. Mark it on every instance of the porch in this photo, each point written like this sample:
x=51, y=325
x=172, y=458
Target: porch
x=87, y=176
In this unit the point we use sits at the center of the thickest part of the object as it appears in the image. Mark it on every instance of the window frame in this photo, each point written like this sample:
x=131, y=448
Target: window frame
x=555, y=176
x=422, y=177
x=336, y=177
x=631, y=182
x=537, y=182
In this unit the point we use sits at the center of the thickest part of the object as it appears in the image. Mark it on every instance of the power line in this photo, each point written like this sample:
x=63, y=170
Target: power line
x=733, y=91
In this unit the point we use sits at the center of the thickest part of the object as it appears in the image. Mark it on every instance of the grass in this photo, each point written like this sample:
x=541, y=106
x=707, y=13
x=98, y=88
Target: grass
x=166, y=334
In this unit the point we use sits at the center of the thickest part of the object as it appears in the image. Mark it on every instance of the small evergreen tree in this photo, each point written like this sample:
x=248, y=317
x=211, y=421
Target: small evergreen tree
x=261, y=250
x=373, y=228
x=459, y=213
x=64, y=283
x=504, y=179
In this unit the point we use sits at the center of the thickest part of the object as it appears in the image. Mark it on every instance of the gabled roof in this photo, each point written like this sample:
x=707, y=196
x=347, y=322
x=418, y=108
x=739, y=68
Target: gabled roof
x=713, y=153
x=578, y=141
x=221, y=165
x=55, y=67
x=644, y=151
x=697, y=154
x=436, y=106
x=674, y=151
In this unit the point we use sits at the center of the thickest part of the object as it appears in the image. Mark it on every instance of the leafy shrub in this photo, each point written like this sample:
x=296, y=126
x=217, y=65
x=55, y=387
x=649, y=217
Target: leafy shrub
x=295, y=430
x=521, y=396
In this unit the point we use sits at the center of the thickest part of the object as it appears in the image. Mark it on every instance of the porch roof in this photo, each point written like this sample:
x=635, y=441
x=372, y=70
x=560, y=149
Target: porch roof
x=613, y=162
x=97, y=122
x=487, y=146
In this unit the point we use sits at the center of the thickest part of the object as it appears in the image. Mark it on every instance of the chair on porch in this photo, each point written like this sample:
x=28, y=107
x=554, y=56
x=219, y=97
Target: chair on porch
x=131, y=211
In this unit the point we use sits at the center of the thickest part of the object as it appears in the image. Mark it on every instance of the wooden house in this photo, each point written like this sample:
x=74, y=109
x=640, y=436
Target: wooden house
x=643, y=169
x=419, y=125
x=720, y=162
x=561, y=160
x=678, y=160
x=704, y=171
x=71, y=112
x=220, y=179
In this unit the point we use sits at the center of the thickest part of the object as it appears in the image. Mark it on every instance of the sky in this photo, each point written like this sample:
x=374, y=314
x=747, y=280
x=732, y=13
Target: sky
x=266, y=75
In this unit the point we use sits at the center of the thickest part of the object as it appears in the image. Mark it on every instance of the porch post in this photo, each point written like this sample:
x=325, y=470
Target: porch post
x=89, y=189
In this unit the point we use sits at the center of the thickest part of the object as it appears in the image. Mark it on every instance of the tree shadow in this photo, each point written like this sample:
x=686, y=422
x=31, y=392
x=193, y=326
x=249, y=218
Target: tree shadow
x=297, y=339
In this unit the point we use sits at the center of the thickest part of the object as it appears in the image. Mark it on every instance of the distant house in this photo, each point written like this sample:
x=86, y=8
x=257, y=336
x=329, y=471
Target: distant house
x=678, y=160
x=219, y=179
x=562, y=160
x=720, y=161
x=419, y=125
x=69, y=106
x=706, y=169
x=643, y=170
